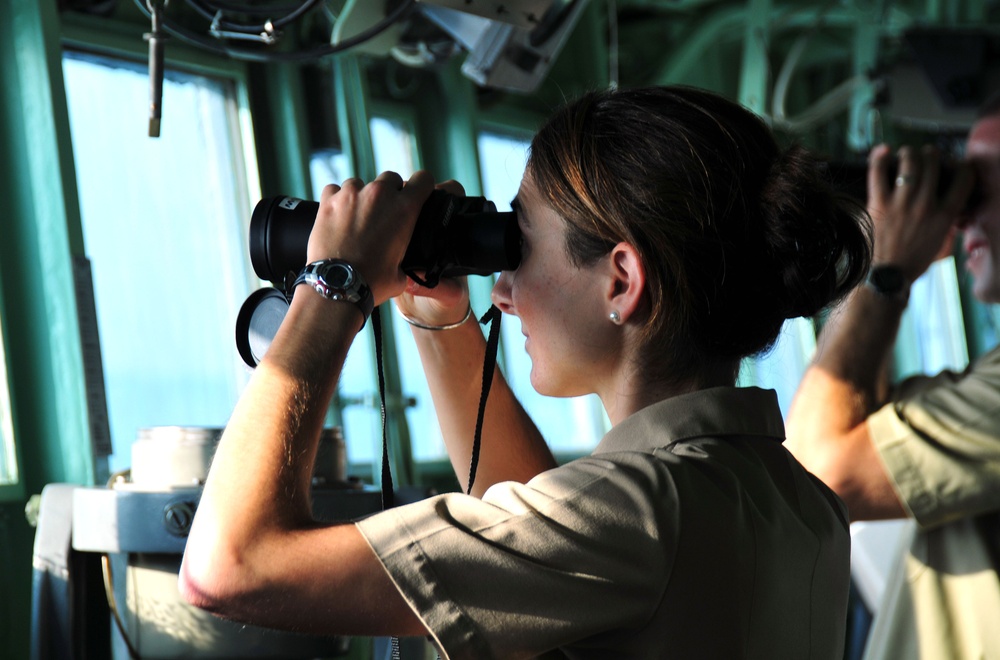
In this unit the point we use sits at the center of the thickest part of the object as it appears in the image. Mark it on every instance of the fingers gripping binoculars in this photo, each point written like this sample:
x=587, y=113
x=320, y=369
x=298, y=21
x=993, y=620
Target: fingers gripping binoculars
x=453, y=236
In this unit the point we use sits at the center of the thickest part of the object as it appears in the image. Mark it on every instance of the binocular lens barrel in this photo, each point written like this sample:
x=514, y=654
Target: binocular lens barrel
x=279, y=235
x=453, y=236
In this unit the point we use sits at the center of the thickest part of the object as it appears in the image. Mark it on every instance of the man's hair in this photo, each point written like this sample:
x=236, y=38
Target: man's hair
x=989, y=107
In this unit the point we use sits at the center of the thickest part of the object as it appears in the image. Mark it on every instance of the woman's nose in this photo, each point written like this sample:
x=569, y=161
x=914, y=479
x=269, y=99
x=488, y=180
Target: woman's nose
x=501, y=293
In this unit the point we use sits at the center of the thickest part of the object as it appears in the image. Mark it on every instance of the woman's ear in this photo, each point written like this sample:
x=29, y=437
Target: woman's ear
x=628, y=280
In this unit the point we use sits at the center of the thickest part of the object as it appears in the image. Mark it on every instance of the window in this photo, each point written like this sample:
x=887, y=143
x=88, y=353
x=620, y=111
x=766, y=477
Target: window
x=8, y=457
x=357, y=390
x=395, y=149
x=164, y=224
x=932, y=336
x=782, y=367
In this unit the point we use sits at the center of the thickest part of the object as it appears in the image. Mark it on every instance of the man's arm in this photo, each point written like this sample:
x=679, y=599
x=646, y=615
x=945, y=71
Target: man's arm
x=827, y=424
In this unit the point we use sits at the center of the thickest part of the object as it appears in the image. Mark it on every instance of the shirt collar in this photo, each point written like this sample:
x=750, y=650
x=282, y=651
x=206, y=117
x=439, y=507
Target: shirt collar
x=716, y=411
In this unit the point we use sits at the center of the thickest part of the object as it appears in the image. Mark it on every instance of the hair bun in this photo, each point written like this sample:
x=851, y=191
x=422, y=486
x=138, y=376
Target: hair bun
x=801, y=247
x=813, y=234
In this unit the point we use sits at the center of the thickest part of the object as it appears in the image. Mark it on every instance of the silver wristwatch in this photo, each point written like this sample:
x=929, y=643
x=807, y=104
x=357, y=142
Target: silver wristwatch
x=336, y=279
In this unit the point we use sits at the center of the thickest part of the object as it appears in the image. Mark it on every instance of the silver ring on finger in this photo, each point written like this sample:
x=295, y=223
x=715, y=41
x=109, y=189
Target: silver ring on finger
x=905, y=180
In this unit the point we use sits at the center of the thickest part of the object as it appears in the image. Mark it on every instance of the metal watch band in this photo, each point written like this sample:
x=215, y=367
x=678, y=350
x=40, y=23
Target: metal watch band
x=336, y=279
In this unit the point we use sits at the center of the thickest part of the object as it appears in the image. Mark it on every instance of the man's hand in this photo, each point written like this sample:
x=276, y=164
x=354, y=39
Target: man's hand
x=827, y=424
x=914, y=226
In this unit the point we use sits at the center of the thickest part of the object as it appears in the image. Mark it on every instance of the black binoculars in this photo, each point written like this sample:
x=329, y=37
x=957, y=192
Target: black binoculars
x=852, y=178
x=453, y=236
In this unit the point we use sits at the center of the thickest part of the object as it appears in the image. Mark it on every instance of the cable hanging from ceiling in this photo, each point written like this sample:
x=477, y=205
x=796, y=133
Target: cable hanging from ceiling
x=251, y=22
x=258, y=27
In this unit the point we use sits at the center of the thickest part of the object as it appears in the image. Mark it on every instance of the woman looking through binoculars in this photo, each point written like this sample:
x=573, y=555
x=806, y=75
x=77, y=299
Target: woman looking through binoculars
x=666, y=236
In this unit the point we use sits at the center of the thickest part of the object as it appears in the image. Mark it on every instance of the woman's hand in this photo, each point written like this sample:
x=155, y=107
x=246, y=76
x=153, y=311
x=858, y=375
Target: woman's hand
x=914, y=226
x=369, y=226
x=446, y=303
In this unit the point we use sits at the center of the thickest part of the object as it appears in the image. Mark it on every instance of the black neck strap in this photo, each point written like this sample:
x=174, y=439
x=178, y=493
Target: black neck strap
x=387, y=493
x=492, y=316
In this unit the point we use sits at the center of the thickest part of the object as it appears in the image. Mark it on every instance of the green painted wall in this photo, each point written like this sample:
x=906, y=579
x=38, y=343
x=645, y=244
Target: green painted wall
x=41, y=232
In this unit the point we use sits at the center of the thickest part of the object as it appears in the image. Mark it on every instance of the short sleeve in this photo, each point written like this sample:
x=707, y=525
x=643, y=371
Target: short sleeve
x=574, y=552
x=940, y=443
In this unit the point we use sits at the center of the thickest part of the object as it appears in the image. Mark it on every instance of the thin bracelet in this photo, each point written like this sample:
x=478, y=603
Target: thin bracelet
x=451, y=326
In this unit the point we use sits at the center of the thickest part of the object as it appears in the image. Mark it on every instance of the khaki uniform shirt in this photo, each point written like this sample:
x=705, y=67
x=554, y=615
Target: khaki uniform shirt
x=690, y=532
x=940, y=443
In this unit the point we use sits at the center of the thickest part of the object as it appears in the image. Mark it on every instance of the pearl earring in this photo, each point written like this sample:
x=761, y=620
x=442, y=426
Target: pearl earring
x=615, y=317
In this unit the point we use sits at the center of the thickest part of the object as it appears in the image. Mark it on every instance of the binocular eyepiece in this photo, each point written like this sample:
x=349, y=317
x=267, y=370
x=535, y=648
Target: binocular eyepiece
x=453, y=236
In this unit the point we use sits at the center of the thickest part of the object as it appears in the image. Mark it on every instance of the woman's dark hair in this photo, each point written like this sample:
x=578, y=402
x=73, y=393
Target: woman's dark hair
x=736, y=234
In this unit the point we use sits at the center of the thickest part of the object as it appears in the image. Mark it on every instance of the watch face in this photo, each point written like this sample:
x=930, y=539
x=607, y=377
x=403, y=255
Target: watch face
x=337, y=276
x=336, y=280
x=887, y=280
